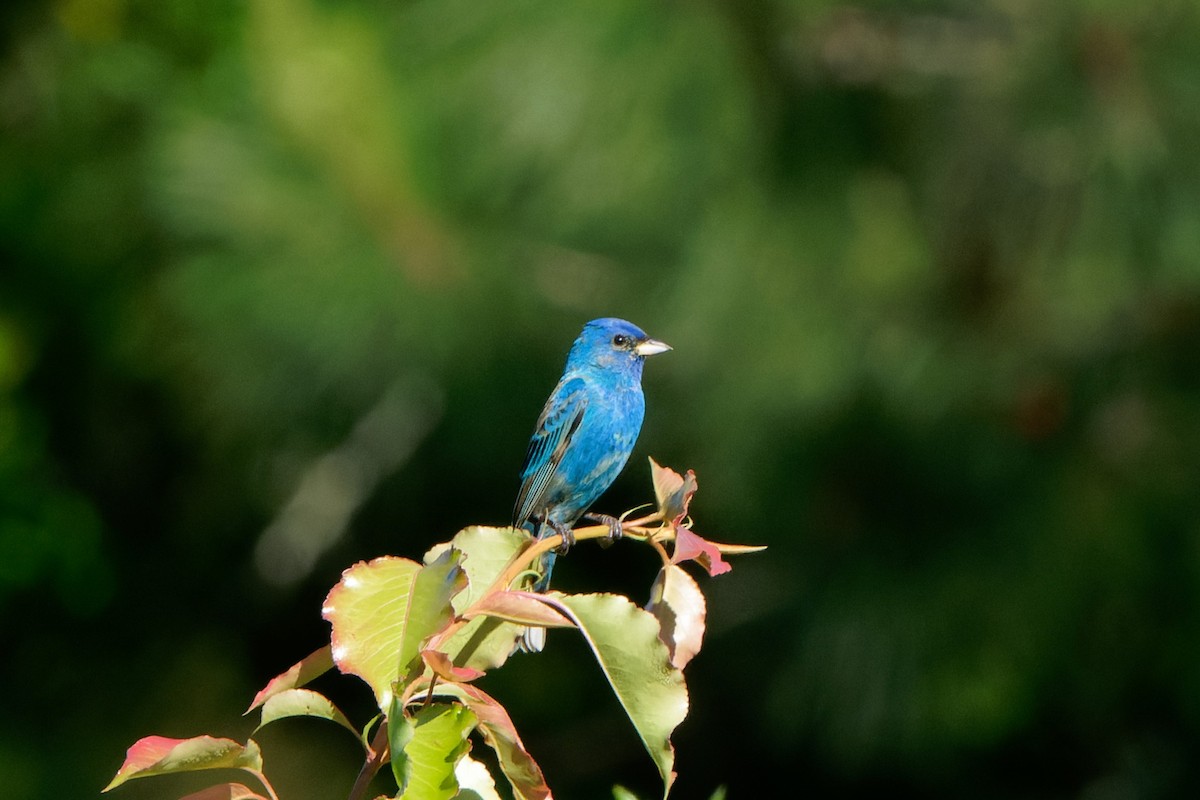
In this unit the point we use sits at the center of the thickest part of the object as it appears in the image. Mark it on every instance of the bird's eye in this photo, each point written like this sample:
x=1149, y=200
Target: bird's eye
x=620, y=340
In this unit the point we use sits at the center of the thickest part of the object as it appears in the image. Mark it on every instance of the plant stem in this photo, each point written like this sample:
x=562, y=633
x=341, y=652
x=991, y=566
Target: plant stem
x=525, y=558
x=371, y=765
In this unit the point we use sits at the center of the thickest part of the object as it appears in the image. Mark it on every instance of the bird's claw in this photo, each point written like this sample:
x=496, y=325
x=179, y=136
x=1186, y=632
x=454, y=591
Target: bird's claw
x=568, y=537
x=614, y=527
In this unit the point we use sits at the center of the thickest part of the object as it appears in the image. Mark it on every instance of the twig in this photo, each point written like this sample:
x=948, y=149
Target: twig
x=525, y=559
x=379, y=747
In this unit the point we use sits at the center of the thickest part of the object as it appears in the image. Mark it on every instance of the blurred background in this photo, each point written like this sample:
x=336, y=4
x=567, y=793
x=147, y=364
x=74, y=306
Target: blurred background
x=285, y=283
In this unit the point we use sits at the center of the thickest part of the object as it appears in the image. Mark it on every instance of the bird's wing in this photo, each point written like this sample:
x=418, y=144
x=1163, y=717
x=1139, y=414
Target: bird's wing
x=555, y=428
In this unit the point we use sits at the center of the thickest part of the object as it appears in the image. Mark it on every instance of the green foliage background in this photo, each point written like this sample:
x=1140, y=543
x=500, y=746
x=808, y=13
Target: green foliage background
x=284, y=284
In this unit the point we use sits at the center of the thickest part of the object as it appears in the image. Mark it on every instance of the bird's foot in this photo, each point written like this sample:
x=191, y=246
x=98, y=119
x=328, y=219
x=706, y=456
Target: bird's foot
x=614, y=527
x=568, y=537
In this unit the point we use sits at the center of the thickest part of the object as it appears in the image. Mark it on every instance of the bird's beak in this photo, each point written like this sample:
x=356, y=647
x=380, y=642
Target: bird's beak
x=651, y=347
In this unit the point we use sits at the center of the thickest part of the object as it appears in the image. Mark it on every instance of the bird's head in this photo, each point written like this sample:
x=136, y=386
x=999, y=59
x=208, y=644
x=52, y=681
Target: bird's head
x=613, y=343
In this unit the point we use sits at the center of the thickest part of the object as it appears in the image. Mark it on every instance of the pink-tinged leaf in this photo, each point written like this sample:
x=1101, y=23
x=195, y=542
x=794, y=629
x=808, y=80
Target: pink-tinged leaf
x=522, y=607
x=381, y=611
x=304, y=703
x=160, y=755
x=306, y=669
x=736, y=549
x=499, y=733
x=673, y=491
x=226, y=791
x=678, y=603
x=690, y=546
x=441, y=664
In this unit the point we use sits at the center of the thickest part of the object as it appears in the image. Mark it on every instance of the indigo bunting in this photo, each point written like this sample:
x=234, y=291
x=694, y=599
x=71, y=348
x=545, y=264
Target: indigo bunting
x=583, y=437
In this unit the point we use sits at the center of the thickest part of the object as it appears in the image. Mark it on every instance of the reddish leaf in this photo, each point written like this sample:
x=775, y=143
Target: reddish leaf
x=690, y=546
x=673, y=491
x=500, y=734
x=226, y=791
x=678, y=603
x=522, y=607
x=300, y=673
x=441, y=664
x=159, y=755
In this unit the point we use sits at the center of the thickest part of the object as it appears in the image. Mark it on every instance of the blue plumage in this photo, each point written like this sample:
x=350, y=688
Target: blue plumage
x=586, y=431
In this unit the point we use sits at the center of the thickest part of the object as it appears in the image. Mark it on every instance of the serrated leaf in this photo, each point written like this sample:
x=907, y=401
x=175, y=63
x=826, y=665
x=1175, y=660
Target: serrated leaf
x=226, y=791
x=678, y=604
x=306, y=669
x=381, y=611
x=638, y=666
x=483, y=643
x=486, y=551
x=474, y=781
x=303, y=703
x=160, y=755
x=499, y=733
x=426, y=747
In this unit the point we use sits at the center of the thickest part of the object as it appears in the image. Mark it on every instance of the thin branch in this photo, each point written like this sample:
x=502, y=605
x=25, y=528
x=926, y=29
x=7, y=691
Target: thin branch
x=634, y=529
x=375, y=758
x=662, y=551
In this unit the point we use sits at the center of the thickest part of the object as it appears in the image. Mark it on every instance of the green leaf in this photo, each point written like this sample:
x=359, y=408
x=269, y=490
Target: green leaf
x=498, y=731
x=678, y=604
x=159, y=755
x=225, y=791
x=483, y=643
x=430, y=608
x=485, y=552
x=382, y=610
x=626, y=642
x=306, y=669
x=426, y=747
x=402, y=729
x=303, y=703
x=365, y=736
x=621, y=793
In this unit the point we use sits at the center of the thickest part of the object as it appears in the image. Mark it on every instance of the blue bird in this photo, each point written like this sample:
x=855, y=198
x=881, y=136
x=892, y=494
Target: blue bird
x=583, y=437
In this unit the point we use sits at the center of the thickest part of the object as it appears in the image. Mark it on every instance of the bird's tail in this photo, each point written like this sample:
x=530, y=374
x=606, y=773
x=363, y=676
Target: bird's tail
x=533, y=639
x=543, y=583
